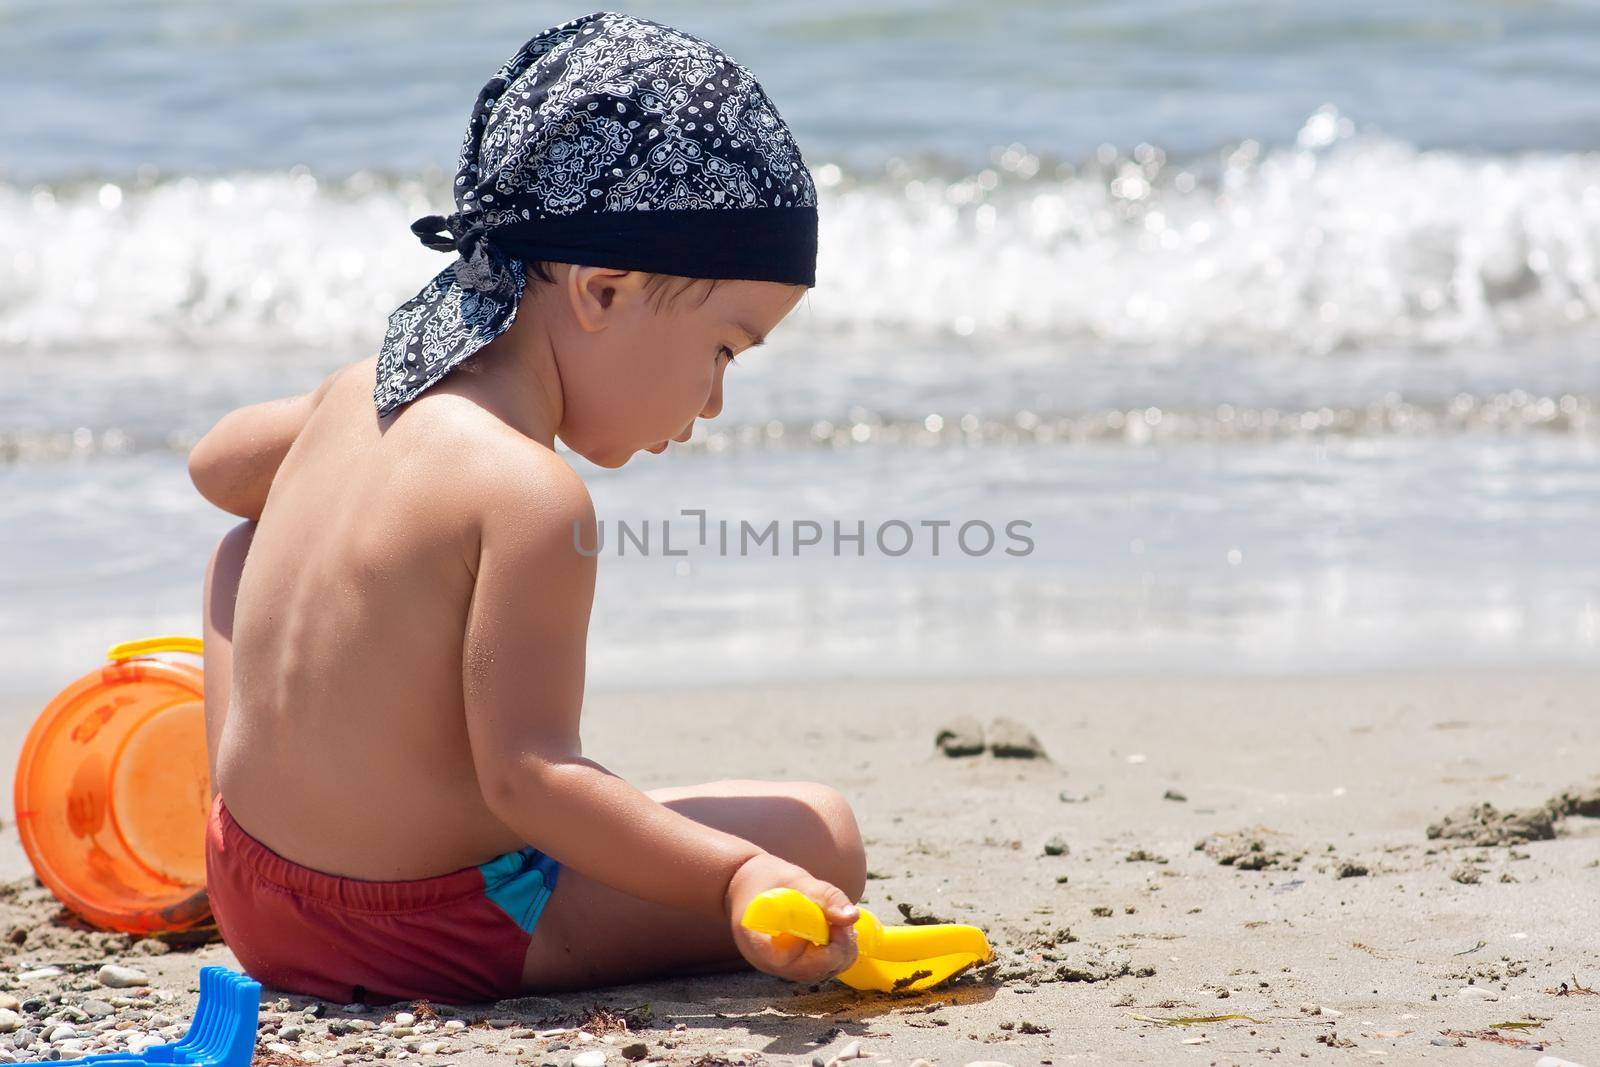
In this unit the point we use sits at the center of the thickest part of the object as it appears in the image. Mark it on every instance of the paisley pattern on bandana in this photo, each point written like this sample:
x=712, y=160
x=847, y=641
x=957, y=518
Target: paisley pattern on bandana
x=606, y=113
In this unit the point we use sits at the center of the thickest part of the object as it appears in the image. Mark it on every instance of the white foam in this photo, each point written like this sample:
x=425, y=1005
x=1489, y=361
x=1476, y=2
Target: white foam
x=1344, y=240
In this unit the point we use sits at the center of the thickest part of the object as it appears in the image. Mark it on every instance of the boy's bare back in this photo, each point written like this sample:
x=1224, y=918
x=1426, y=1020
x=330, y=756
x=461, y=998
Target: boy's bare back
x=346, y=743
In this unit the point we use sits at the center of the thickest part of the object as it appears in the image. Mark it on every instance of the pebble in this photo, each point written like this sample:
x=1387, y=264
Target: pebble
x=455, y=1024
x=119, y=977
x=500, y=1023
x=593, y=1058
x=635, y=1050
x=9, y=1002
x=1091, y=963
x=1056, y=846
x=62, y=1032
x=10, y=1021
x=405, y=1018
x=291, y=1033
x=341, y=1027
x=1009, y=739
x=1173, y=794
x=960, y=737
x=851, y=1051
x=39, y=972
x=97, y=1009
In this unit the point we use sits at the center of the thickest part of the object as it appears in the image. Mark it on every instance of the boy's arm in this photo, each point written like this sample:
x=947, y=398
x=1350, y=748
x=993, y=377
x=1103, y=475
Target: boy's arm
x=234, y=463
x=523, y=668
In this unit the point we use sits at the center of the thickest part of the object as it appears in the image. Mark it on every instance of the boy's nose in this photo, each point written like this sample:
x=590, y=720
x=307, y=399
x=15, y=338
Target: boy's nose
x=713, y=406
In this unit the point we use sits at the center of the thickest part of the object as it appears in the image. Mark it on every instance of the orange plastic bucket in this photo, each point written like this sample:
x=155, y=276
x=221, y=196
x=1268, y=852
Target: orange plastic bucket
x=112, y=791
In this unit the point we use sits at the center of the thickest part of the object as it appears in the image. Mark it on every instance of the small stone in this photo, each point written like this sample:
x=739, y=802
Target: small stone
x=117, y=976
x=1483, y=825
x=851, y=1051
x=500, y=1023
x=592, y=1058
x=1009, y=739
x=341, y=1027
x=404, y=1018
x=62, y=1032
x=39, y=972
x=10, y=1021
x=1090, y=963
x=635, y=1050
x=960, y=737
x=9, y=1002
x=1467, y=874
x=1173, y=794
x=1139, y=855
x=454, y=1024
x=1056, y=846
x=291, y=1033
x=1576, y=801
x=1352, y=869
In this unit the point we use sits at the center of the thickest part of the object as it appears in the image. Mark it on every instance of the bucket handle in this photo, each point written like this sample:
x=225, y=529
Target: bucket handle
x=147, y=646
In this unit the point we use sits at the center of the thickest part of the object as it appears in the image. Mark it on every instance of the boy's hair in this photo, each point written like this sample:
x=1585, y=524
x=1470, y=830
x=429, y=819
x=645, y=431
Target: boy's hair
x=662, y=289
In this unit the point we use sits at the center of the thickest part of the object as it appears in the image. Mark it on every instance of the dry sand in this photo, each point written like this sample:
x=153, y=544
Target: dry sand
x=1399, y=964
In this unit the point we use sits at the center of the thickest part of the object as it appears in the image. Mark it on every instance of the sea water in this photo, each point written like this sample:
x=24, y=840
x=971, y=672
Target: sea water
x=1259, y=341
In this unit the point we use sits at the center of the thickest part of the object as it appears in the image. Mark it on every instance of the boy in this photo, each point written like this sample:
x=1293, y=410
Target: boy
x=394, y=645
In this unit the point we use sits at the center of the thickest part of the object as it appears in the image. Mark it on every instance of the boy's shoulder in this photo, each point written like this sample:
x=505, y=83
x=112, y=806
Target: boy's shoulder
x=519, y=488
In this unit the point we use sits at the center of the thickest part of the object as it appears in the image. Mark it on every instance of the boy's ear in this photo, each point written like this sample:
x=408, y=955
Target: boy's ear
x=598, y=294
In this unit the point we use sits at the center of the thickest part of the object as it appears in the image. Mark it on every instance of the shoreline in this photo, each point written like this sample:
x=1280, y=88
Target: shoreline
x=1413, y=959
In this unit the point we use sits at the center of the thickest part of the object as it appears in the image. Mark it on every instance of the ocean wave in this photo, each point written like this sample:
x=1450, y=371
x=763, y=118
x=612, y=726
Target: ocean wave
x=1344, y=240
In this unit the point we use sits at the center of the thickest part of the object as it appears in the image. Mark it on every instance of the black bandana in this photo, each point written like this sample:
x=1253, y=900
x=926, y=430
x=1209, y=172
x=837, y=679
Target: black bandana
x=611, y=141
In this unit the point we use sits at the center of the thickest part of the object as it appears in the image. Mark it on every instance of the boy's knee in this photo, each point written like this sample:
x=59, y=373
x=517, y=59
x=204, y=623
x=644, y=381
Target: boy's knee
x=848, y=869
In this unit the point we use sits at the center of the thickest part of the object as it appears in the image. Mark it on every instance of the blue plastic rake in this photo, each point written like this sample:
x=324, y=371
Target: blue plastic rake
x=223, y=1033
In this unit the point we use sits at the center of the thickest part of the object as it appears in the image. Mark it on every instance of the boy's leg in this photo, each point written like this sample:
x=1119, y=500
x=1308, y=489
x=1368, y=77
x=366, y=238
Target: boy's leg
x=216, y=623
x=591, y=935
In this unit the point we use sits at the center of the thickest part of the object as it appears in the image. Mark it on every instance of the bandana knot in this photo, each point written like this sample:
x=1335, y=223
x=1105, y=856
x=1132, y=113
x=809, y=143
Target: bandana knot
x=482, y=265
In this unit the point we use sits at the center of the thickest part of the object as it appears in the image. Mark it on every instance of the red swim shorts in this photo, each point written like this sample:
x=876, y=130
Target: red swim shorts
x=458, y=938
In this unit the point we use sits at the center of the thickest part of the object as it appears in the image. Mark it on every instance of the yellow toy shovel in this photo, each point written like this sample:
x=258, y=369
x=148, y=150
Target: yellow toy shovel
x=889, y=959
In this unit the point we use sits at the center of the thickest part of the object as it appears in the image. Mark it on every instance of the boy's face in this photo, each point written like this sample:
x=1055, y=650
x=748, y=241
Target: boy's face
x=634, y=377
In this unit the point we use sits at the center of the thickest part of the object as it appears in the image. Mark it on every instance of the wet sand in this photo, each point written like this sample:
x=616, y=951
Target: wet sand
x=1336, y=928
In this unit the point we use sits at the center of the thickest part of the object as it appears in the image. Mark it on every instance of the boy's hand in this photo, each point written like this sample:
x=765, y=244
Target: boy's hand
x=785, y=955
